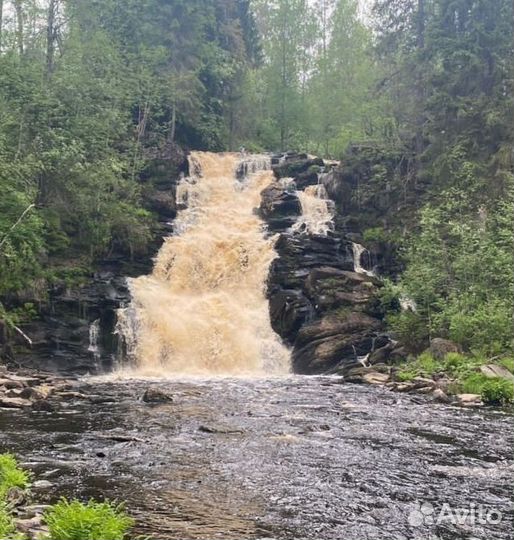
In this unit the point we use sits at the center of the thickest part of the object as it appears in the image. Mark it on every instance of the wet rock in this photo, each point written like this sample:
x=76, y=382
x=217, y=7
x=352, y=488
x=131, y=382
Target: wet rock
x=493, y=371
x=36, y=393
x=334, y=343
x=70, y=396
x=294, y=165
x=42, y=484
x=11, y=384
x=440, y=396
x=154, y=395
x=43, y=405
x=439, y=348
x=15, y=496
x=381, y=354
x=14, y=402
x=33, y=528
x=366, y=376
x=289, y=310
x=279, y=207
x=469, y=400
x=226, y=430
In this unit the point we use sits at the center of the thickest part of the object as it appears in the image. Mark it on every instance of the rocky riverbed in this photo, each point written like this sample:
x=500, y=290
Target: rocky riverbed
x=296, y=457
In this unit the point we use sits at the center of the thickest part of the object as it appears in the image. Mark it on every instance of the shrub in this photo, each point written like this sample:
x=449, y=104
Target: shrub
x=73, y=520
x=473, y=383
x=11, y=475
x=497, y=392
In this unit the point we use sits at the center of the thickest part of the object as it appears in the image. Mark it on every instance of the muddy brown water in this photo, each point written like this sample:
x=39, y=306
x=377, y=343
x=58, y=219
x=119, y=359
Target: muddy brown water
x=293, y=458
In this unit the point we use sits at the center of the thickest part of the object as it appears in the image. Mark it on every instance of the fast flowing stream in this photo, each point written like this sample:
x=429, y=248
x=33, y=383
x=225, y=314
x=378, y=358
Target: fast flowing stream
x=288, y=458
x=244, y=450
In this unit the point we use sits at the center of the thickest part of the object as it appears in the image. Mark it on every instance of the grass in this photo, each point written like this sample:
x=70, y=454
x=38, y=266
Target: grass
x=7, y=527
x=465, y=373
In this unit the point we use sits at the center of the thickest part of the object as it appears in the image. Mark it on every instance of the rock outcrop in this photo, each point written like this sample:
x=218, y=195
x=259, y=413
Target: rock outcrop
x=326, y=311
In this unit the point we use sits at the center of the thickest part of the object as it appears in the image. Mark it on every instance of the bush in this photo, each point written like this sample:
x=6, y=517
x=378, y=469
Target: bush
x=11, y=475
x=473, y=383
x=497, y=392
x=73, y=520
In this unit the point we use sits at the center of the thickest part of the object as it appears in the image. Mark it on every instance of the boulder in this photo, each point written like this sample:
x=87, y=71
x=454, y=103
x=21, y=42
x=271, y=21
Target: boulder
x=154, y=395
x=366, y=376
x=334, y=343
x=439, y=348
x=493, y=371
x=279, y=207
x=293, y=165
x=440, y=396
x=469, y=400
x=14, y=402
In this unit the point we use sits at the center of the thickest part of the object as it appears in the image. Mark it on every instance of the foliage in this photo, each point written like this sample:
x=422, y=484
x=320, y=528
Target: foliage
x=73, y=520
x=89, y=92
x=7, y=526
x=498, y=392
x=447, y=67
x=11, y=475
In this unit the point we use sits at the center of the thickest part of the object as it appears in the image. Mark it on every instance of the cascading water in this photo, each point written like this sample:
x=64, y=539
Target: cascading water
x=317, y=211
x=358, y=252
x=203, y=310
x=94, y=336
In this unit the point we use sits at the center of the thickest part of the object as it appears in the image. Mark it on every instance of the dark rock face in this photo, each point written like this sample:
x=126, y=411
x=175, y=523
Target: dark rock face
x=279, y=208
x=319, y=305
x=61, y=335
x=334, y=343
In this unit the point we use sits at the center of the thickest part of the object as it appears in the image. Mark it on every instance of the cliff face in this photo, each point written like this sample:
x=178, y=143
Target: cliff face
x=323, y=288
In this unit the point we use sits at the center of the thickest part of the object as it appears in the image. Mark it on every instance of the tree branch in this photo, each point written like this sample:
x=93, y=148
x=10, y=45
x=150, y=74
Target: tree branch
x=20, y=219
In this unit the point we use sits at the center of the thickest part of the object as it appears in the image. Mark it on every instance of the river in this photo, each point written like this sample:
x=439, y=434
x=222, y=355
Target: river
x=303, y=458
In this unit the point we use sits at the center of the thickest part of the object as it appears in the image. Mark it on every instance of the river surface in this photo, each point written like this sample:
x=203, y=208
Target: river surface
x=285, y=458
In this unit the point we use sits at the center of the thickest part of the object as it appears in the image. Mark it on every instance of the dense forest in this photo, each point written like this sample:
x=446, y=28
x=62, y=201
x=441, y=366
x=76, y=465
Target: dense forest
x=91, y=92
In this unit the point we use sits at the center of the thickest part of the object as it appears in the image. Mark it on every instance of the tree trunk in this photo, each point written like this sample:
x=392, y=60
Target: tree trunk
x=19, y=25
x=50, y=37
x=1, y=22
x=420, y=117
x=173, y=122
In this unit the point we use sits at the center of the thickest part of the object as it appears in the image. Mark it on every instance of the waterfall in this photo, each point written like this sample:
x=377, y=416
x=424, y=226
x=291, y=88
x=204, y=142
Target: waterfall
x=203, y=310
x=317, y=211
x=358, y=252
x=94, y=335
